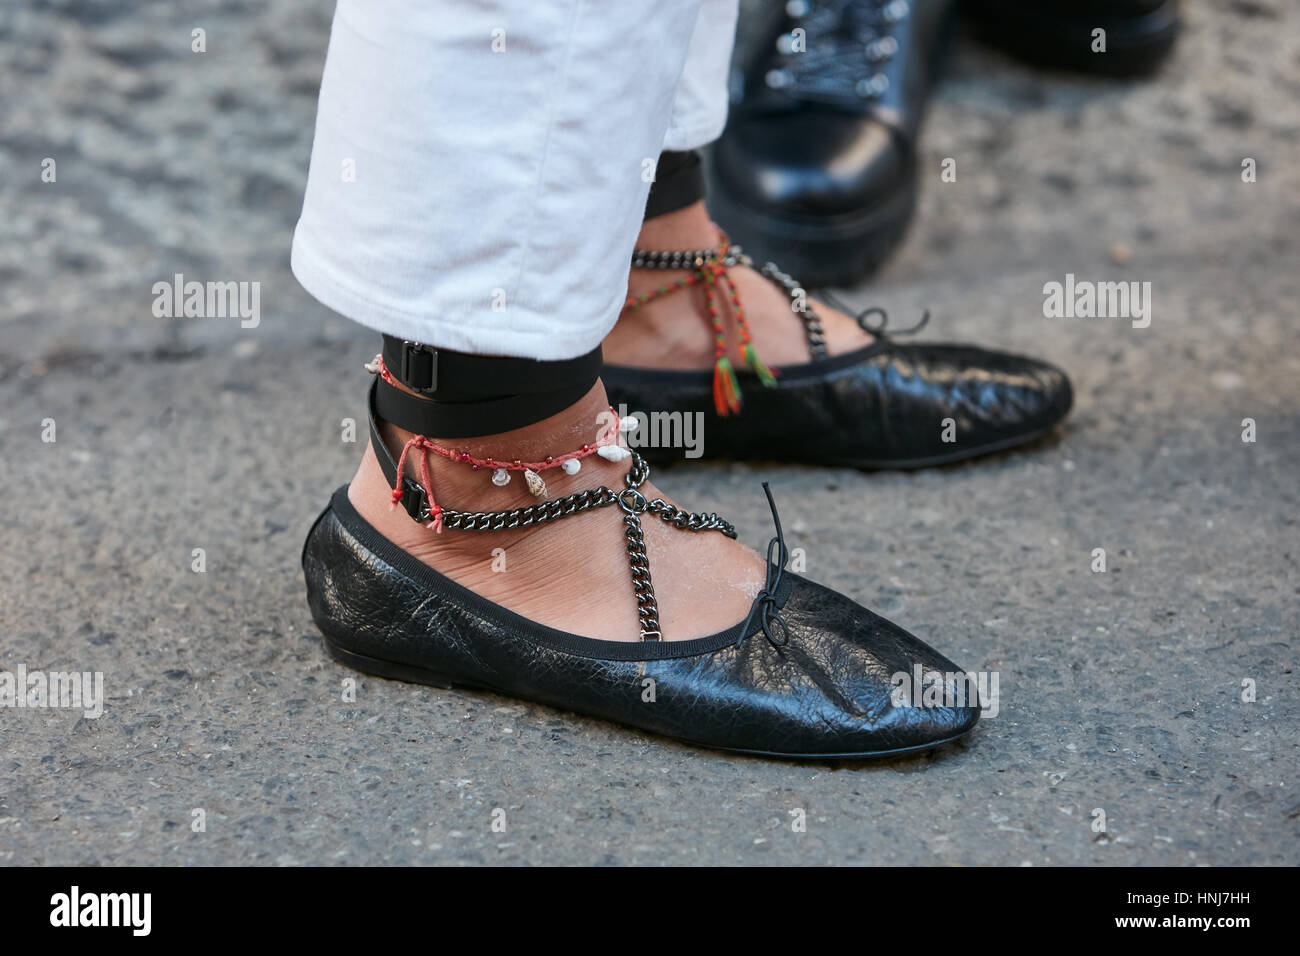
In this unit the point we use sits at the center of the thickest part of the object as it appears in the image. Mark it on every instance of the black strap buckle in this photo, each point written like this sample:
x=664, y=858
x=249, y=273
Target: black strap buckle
x=419, y=371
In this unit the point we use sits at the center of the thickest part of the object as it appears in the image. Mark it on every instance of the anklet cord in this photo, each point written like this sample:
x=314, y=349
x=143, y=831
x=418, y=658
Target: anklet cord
x=425, y=506
x=708, y=270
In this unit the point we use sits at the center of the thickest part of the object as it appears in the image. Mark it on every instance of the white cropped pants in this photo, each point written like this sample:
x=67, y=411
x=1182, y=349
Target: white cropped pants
x=480, y=169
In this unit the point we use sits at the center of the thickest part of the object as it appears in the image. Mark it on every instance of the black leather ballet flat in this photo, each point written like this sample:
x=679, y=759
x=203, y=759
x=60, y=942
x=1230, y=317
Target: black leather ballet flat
x=808, y=673
x=887, y=405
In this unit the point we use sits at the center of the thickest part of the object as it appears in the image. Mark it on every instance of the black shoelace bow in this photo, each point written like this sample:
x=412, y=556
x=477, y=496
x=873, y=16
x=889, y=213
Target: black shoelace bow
x=765, y=608
x=878, y=329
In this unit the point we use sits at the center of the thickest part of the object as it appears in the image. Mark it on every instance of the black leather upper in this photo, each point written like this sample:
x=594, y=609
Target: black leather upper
x=823, y=163
x=810, y=145
x=827, y=692
x=883, y=406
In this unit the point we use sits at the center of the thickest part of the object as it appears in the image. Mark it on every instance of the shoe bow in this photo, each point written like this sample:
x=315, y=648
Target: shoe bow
x=765, y=608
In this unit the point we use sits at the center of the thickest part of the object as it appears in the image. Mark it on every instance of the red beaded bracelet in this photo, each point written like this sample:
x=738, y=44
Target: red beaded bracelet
x=606, y=446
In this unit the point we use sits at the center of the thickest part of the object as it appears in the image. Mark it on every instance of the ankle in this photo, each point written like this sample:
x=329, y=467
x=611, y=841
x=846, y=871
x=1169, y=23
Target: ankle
x=675, y=332
x=462, y=485
x=571, y=574
x=686, y=228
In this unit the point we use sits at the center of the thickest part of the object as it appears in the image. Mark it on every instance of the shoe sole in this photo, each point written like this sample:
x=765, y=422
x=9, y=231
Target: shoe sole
x=912, y=464
x=413, y=674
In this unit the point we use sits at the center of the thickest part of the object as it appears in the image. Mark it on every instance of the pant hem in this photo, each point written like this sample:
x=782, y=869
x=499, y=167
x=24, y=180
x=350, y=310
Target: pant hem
x=530, y=335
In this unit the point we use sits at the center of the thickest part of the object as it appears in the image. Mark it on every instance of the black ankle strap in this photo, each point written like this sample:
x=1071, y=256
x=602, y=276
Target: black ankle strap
x=470, y=419
x=679, y=181
x=464, y=395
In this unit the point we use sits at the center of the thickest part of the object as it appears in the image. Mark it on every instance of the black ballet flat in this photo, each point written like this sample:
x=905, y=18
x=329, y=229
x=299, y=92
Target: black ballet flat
x=886, y=405
x=808, y=673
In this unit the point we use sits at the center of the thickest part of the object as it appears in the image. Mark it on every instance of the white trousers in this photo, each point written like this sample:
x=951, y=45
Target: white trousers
x=480, y=170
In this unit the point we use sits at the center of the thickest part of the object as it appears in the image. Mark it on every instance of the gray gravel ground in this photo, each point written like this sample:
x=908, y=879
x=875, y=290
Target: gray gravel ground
x=1119, y=691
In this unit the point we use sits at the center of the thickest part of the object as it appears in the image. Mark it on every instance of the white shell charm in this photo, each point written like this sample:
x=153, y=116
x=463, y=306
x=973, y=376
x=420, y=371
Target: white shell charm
x=535, y=483
x=628, y=423
x=571, y=466
x=373, y=365
x=500, y=477
x=613, y=452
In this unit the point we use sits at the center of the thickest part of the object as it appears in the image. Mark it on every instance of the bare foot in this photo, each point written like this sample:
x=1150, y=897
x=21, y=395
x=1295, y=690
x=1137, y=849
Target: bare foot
x=573, y=573
x=674, y=331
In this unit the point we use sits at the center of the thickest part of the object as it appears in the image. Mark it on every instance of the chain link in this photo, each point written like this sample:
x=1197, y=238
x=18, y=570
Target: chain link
x=736, y=256
x=525, y=517
x=690, y=520
x=799, y=304
x=633, y=505
x=647, y=608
